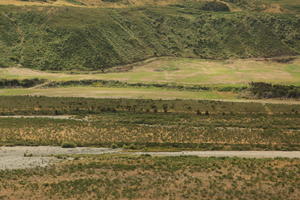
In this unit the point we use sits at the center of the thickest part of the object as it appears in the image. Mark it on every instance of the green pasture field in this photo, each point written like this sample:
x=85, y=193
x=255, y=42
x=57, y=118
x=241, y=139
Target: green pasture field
x=131, y=93
x=235, y=73
x=182, y=71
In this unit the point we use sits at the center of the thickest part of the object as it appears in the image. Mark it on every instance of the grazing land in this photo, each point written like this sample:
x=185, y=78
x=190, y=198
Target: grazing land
x=105, y=92
x=149, y=124
x=152, y=86
x=82, y=38
x=146, y=177
x=182, y=71
x=173, y=78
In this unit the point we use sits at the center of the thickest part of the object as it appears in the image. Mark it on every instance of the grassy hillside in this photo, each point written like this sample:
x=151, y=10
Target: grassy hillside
x=244, y=4
x=58, y=38
x=290, y=5
x=235, y=5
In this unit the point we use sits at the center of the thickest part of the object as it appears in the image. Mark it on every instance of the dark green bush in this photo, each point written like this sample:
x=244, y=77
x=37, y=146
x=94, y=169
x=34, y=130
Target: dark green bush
x=25, y=83
x=68, y=145
x=215, y=6
x=268, y=90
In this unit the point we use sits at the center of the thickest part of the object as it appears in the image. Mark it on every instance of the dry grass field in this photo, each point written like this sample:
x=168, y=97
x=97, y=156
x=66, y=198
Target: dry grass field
x=146, y=177
x=206, y=125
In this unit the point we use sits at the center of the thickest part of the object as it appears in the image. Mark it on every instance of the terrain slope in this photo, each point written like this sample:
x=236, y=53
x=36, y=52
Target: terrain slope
x=85, y=38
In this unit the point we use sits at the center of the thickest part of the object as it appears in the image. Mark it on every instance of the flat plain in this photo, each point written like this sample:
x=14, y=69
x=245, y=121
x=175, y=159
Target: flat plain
x=235, y=73
x=181, y=71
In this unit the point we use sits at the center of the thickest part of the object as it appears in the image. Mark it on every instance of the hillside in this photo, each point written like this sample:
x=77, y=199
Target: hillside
x=273, y=6
x=63, y=38
x=123, y=3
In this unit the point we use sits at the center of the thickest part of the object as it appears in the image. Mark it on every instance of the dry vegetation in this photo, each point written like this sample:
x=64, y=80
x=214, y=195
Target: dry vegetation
x=138, y=131
x=130, y=177
x=72, y=40
x=139, y=124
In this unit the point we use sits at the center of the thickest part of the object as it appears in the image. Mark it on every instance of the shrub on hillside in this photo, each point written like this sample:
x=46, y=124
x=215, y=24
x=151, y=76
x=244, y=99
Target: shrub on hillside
x=25, y=83
x=268, y=90
x=247, y=4
x=215, y=6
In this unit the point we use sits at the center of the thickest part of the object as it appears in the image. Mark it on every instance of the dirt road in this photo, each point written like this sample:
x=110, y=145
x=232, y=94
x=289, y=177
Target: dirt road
x=241, y=154
x=21, y=157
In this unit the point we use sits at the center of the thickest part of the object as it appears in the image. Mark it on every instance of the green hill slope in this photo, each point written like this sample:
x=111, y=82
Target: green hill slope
x=62, y=38
x=248, y=4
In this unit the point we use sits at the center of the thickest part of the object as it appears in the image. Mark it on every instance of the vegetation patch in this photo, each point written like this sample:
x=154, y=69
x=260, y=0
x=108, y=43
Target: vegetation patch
x=25, y=83
x=149, y=125
x=28, y=105
x=215, y=6
x=68, y=145
x=142, y=177
x=268, y=90
x=78, y=38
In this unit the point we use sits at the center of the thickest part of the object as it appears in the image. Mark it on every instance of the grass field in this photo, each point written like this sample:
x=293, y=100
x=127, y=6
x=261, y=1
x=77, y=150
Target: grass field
x=175, y=124
x=149, y=75
x=131, y=93
x=172, y=71
x=132, y=177
x=148, y=131
x=182, y=71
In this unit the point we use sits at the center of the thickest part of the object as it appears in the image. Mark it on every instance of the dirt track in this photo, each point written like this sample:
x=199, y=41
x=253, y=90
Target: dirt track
x=241, y=154
x=28, y=157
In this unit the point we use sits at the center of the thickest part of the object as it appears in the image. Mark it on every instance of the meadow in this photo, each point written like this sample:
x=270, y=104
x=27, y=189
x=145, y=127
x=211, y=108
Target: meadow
x=172, y=78
x=181, y=71
x=108, y=92
x=146, y=177
x=150, y=124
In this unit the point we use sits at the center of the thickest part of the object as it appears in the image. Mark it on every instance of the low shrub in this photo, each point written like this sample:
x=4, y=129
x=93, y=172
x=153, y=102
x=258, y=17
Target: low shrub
x=68, y=145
